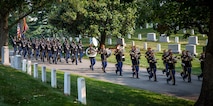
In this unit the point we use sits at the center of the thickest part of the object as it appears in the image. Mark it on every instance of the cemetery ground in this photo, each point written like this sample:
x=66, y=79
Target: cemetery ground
x=18, y=88
x=164, y=46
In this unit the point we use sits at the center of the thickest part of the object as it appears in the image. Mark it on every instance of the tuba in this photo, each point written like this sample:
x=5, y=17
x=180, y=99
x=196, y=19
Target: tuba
x=92, y=52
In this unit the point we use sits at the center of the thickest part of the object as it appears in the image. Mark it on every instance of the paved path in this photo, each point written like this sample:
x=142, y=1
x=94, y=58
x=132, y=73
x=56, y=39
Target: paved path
x=182, y=88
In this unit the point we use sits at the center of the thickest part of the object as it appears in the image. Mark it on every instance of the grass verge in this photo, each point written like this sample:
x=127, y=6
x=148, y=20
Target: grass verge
x=18, y=88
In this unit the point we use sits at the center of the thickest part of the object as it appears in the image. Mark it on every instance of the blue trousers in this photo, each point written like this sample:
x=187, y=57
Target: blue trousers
x=81, y=55
x=120, y=65
x=92, y=62
x=104, y=64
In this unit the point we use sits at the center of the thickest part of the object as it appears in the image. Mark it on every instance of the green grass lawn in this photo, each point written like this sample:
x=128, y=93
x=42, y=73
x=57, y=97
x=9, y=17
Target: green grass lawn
x=139, y=43
x=17, y=88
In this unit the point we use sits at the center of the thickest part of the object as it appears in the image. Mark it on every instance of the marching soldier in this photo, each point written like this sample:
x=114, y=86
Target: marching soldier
x=147, y=56
x=153, y=68
x=135, y=57
x=67, y=50
x=55, y=52
x=171, y=67
x=29, y=48
x=59, y=50
x=103, y=53
x=183, y=60
x=202, y=60
x=188, y=66
x=43, y=49
x=92, y=51
x=80, y=50
x=74, y=52
x=119, y=57
x=14, y=43
x=49, y=51
x=37, y=43
x=24, y=47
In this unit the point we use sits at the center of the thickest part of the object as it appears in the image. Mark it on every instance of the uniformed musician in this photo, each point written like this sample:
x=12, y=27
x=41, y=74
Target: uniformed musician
x=153, y=67
x=92, y=51
x=119, y=54
x=202, y=60
x=188, y=66
x=103, y=53
x=80, y=50
x=171, y=67
x=135, y=57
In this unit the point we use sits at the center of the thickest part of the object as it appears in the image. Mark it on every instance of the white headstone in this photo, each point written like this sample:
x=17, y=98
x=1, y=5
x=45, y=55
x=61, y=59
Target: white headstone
x=43, y=74
x=177, y=28
x=151, y=37
x=24, y=65
x=193, y=40
x=151, y=25
x=12, y=61
x=176, y=48
x=123, y=41
x=79, y=36
x=191, y=48
x=164, y=38
x=158, y=47
x=29, y=68
x=53, y=78
x=82, y=90
x=129, y=36
x=192, y=31
x=139, y=36
x=70, y=39
x=11, y=53
x=145, y=45
x=176, y=39
x=5, y=55
x=133, y=43
x=18, y=62
x=141, y=27
x=110, y=41
x=67, y=83
x=184, y=31
x=206, y=41
x=203, y=35
x=35, y=71
x=147, y=25
x=77, y=39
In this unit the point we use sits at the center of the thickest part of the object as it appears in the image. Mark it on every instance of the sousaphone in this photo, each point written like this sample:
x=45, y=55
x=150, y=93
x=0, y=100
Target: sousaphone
x=94, y=41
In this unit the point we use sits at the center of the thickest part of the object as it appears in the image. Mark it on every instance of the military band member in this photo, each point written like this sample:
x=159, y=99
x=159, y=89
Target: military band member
x=19, y=43
x=103, y=53
x=183, y=60
x=59, y=50
x=119, y=57
x=153, y=67
x=29, y=48
x=171, y=67
x=74, y=52
x=80, y=50
x=24, y=47
x=14, y=43
x=43, y=49
x=135, y=57
x=202, y=60
x=164, y=56
x=147, y=56
x=92, y=51
x=37, y=43
x=188, y=66
x=49, y=51
x=55, y=52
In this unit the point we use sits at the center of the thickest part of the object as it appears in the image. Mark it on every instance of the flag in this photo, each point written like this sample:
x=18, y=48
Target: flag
x=25, y=26
x=18, y=31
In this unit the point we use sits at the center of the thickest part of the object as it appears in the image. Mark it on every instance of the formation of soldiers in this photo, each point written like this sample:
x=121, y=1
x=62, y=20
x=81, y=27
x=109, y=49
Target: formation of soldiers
x=48, y=50
x=53, y=51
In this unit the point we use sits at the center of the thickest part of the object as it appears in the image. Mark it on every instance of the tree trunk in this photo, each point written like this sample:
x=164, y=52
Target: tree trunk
x=103, y=39
x=3, y=30
x=206, y=95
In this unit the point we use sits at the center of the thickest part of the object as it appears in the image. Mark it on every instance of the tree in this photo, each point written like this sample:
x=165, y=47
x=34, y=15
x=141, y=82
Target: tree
x=99, y=19
x=21, y=8
x=191, y=14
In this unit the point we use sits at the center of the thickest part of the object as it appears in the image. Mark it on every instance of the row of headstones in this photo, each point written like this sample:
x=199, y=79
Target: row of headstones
x=176, y=48
x=25, y=66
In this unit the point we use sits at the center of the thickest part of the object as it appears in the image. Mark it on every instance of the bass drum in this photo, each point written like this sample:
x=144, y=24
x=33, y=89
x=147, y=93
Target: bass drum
x=89, y=54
